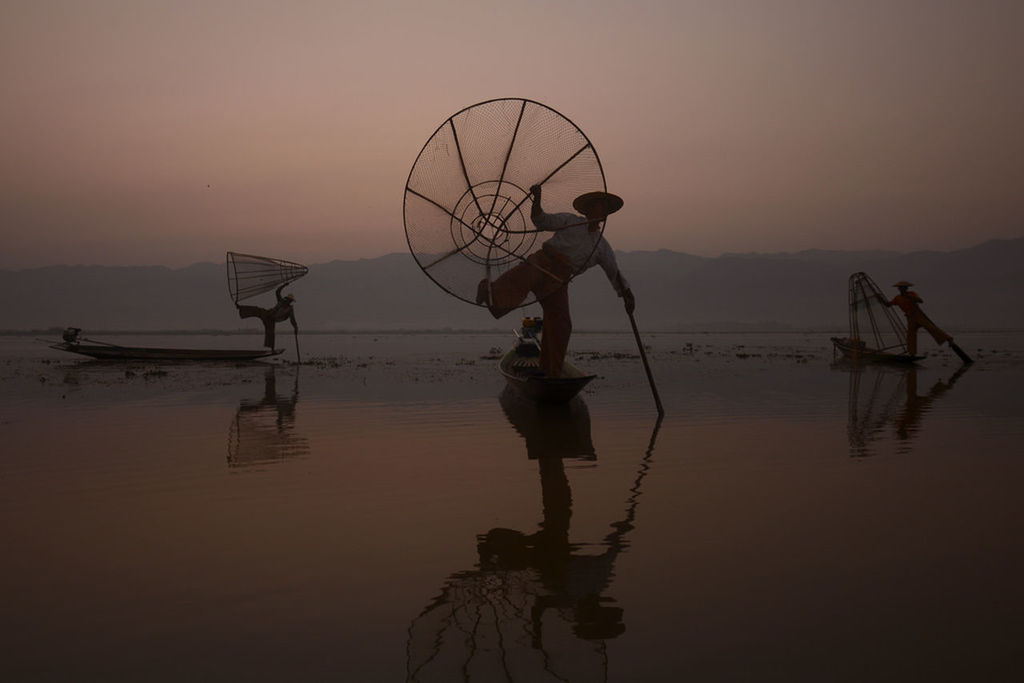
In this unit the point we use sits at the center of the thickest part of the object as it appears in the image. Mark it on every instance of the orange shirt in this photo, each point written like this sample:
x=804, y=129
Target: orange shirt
x=907, y=302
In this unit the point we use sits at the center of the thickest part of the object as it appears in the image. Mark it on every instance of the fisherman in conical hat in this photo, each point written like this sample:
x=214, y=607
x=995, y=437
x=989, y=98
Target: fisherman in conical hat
x=908, y=302
x=577, y=244
x=281, y=311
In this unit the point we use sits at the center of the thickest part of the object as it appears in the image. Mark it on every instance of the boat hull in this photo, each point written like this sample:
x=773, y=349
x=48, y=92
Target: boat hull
x=114, y=352
x=856, y=351
x=520, y=372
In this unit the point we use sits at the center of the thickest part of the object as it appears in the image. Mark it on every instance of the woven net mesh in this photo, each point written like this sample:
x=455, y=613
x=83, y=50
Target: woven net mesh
x=249, y=275
x=468, y=202
x=879, y=327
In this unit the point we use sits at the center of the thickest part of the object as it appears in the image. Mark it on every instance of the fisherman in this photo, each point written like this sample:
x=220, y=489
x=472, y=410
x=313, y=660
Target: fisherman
x=281, y=311
x=577, y=244
x=908, y=301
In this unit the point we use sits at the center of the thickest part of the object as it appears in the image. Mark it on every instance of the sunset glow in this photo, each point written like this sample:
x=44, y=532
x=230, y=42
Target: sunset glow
x=168, y=133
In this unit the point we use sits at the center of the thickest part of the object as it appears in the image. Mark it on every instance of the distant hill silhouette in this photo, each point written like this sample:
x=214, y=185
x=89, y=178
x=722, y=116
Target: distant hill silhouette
x=976, y=288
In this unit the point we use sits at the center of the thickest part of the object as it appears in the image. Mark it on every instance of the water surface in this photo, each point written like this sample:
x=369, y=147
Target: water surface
x=387, y=511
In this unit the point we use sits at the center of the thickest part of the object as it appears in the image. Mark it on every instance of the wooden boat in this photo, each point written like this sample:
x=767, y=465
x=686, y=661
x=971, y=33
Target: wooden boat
x=114, y=352
x=521, y=368
x=877, y=333
x=856, y=350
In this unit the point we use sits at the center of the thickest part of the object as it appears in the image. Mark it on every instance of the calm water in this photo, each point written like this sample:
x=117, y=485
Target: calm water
x=386, y=512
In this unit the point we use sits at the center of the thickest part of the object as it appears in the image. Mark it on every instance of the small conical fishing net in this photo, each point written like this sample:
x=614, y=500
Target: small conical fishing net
x=878, y=327
x=468, y=202
x=250, y=275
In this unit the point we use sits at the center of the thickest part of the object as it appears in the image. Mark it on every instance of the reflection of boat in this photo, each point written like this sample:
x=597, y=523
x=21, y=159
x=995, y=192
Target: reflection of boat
x=105, y=351
x=877, y=334
x=521, y=368
x=264, y=429
x=550, y=431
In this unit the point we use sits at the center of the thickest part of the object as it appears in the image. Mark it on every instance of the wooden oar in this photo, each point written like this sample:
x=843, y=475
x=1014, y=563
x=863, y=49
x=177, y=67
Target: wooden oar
x=298, y=358
x=647, y=367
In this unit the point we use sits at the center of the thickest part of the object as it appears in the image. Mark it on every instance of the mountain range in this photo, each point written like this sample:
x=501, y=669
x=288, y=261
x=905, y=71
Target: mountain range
x=975, y=288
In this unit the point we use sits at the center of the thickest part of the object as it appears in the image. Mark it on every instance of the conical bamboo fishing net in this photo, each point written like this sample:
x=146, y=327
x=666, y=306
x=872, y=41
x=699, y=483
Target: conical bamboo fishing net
x=878, y=326
x=250, y=275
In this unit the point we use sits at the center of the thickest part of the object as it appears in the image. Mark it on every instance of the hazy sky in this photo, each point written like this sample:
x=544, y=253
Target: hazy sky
x=143, y=132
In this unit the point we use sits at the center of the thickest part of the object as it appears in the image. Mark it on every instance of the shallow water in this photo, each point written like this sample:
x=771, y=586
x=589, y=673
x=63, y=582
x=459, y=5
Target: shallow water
x=386, y=511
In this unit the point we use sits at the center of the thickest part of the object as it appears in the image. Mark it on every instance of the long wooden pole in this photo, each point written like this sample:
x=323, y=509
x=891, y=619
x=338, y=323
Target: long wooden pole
x=647, y=367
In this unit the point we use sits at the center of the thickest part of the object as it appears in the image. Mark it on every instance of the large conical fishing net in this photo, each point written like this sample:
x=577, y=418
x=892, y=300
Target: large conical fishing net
x=879, y=327
x=250, y=275
x=468, y=202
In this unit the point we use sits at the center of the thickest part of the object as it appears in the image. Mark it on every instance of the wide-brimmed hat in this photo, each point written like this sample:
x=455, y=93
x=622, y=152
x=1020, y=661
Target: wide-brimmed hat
x=612, y=203
x=903, y=283
x=289, y=297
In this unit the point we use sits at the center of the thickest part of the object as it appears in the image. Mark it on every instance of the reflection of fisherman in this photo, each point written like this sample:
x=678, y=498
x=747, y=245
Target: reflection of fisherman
x=908, y=301
x=282, y=406
x=878, y=409
x=576, y=246
x=557, y=430
x=571, y=580
x=908, y=422
x=283, y=310
x=264, y=430
x=505, y=619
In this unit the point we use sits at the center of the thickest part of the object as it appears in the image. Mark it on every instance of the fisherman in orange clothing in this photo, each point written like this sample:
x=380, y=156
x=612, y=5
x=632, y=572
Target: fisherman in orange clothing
x=908, y=301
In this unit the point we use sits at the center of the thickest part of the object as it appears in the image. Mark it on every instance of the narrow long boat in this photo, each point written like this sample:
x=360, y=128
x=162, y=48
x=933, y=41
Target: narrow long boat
x=521, y=368
x=116, y=352
x=523, y=374
x=856, y=350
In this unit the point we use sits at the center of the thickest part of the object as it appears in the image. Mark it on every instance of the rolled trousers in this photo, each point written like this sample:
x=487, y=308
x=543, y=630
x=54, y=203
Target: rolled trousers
x=546, y=274
x=268, y=322
x=917, y=321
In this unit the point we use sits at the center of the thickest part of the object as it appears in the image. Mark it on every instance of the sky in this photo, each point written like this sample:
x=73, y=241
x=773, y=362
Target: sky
x=167, y=133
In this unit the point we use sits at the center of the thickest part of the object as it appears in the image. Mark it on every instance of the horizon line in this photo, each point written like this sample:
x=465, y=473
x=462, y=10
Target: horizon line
x=726, y=254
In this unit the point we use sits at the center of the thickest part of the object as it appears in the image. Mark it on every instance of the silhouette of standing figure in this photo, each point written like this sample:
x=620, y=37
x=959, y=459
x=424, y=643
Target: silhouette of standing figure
x=908, y=301
x=281, y=311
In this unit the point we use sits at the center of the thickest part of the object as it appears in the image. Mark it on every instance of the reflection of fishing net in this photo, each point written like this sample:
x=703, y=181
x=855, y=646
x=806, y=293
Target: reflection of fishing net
x=877, y=326
x=467, y=201
x=875, y=398
x=883, y=398
x=250, y=275
x=487, y=626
